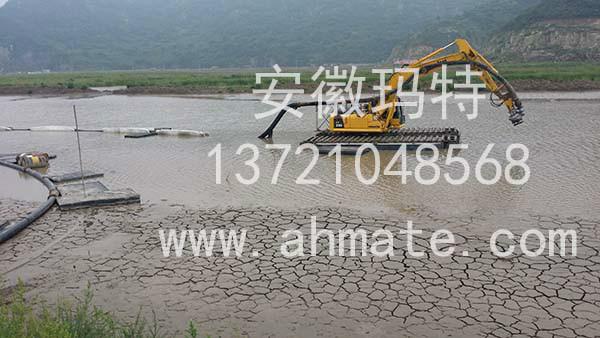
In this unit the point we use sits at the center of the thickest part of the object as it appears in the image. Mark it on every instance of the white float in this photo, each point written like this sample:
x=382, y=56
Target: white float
x=126, y=130
x=52, y=128
x=181, y=132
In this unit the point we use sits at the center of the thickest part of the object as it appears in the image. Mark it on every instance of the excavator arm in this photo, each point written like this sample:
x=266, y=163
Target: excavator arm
x=466, y=55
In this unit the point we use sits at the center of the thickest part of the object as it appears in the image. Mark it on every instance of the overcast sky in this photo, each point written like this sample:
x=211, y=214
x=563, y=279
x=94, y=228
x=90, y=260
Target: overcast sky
x=2, y=2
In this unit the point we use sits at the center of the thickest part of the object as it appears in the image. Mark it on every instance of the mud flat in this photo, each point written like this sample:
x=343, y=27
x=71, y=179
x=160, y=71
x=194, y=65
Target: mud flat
x=12, y=210
x=118, y=251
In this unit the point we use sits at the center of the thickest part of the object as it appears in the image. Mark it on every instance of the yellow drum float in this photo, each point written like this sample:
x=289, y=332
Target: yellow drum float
x=33, y=160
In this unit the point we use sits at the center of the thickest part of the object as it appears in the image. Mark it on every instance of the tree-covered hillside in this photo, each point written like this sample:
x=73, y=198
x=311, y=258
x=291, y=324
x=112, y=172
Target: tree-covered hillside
x=125, y=34
x=557, y=10
x=132, y=34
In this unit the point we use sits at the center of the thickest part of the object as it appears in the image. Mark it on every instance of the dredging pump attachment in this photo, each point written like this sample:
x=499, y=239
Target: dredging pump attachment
x=516, y=115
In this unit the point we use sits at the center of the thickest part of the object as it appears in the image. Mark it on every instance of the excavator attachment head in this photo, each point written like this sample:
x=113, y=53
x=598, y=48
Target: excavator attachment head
x=516, y=114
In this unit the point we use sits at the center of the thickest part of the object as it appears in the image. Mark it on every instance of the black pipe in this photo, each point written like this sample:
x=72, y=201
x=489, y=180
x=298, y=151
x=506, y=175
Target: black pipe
x=268, y=133
x=11, y=230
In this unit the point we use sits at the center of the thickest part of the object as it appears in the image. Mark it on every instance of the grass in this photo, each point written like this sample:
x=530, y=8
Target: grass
x=567, y=71
x=82, y=80
x=243, y=80
x=82, y=319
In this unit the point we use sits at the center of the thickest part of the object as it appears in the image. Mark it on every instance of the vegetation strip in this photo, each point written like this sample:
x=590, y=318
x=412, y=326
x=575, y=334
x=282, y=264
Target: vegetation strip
x=81, y=318
x=528, y=76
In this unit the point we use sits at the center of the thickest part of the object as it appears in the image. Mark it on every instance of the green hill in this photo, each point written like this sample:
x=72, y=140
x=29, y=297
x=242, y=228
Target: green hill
x=125, y=34
x=66, y=35
x=558, y=10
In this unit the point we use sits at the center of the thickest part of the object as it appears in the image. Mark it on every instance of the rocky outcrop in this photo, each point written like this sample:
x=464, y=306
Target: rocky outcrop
x=550, y=40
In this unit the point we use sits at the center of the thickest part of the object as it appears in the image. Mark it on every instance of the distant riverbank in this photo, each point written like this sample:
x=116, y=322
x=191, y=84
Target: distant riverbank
x=524, y=77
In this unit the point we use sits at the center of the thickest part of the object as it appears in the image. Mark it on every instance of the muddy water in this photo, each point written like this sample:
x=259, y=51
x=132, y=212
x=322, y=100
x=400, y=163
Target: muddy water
x=19, y=186
x=561, y=132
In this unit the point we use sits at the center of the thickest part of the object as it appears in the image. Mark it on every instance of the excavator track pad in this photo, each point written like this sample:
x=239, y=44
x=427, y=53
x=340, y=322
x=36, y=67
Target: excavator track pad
x=391, y=140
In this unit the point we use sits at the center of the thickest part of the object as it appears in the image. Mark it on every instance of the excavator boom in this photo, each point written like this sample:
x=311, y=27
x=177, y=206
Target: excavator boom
x=465, y=55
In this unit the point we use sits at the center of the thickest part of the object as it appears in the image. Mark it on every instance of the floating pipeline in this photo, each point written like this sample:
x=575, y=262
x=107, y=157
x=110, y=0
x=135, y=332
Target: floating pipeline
x=185, y=133
x=52, y=128
x=126, y=131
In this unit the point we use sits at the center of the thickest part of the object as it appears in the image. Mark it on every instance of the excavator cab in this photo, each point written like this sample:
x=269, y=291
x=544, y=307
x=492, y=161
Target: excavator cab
x=338, y=121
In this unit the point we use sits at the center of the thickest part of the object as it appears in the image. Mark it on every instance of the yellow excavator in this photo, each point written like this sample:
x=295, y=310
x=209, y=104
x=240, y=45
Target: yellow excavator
x=381, y=121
